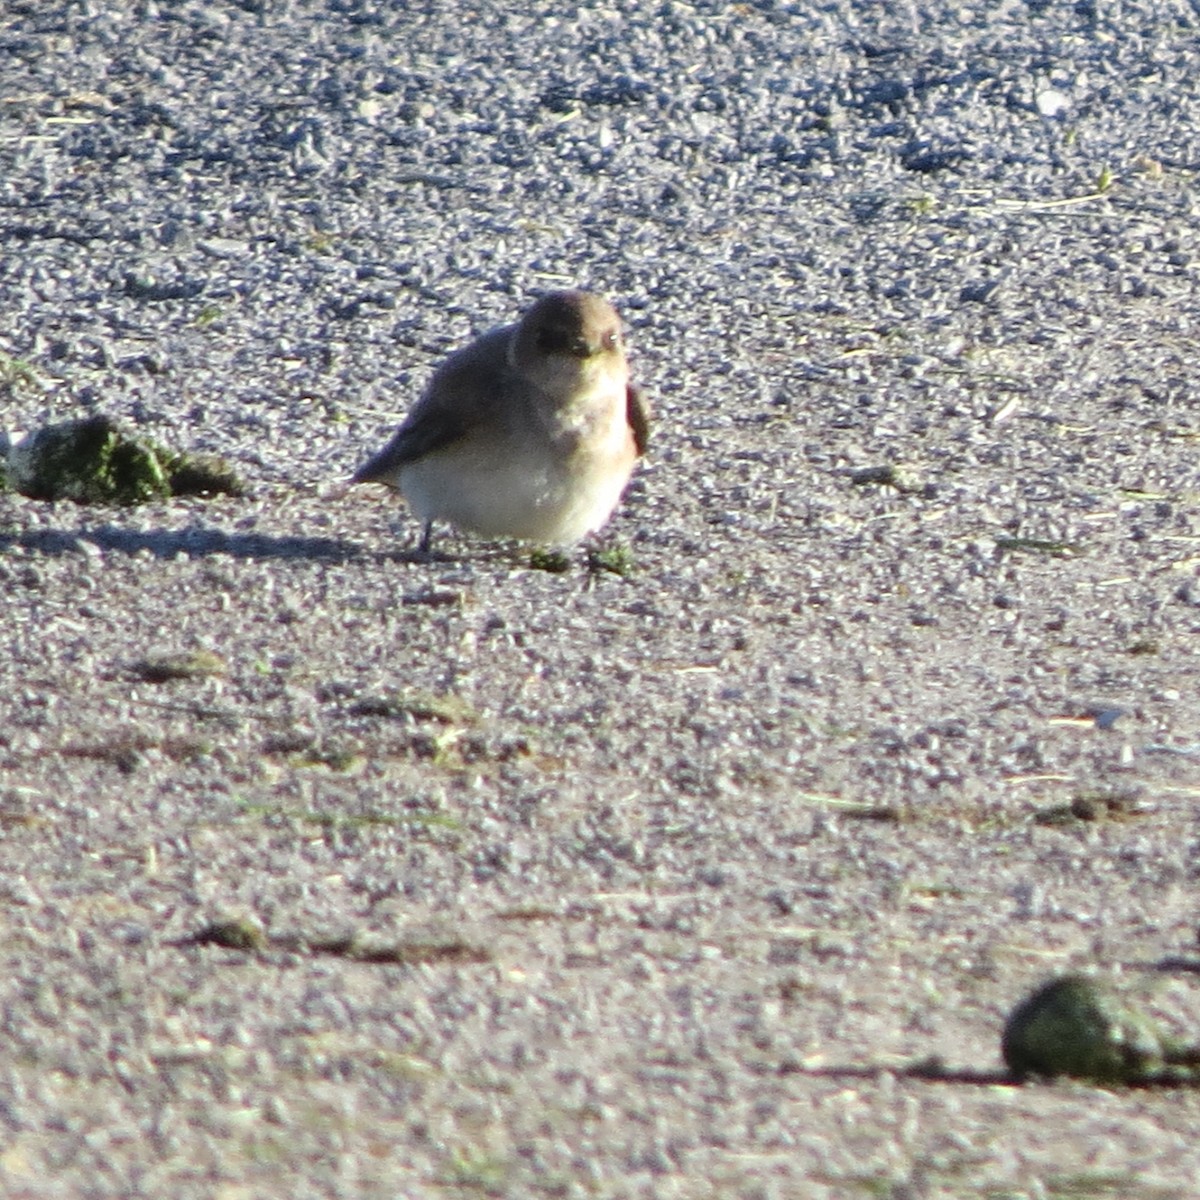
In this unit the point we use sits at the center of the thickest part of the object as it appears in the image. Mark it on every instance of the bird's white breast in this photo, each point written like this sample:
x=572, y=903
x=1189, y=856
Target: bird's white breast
x=551, y=484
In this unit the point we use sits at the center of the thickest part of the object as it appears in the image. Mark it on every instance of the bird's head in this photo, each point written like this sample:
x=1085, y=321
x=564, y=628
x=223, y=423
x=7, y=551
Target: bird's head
x=570, y=331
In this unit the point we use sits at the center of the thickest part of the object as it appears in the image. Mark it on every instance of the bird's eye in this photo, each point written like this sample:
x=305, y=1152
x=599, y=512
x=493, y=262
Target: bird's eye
x=612, y=339
x=553, y=341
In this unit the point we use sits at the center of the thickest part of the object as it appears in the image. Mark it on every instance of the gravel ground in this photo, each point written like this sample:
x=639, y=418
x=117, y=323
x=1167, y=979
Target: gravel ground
x=601, y=887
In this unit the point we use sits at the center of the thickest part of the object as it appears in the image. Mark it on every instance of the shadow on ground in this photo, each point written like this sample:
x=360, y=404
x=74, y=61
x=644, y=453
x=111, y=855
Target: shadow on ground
x=194, y=542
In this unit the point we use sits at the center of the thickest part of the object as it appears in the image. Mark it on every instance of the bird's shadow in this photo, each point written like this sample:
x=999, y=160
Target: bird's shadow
x=195, y=541
x=203, y=541
x=199, y=541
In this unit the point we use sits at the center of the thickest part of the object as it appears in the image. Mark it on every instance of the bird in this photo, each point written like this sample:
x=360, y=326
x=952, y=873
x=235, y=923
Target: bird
x=531, y=432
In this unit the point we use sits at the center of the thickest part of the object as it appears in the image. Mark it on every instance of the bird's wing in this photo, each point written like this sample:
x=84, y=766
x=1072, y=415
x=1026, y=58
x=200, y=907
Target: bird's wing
x=465, y=384
x=637, y=409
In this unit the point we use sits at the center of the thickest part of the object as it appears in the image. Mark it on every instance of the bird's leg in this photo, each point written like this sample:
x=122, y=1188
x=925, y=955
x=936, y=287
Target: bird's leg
x=426, y=538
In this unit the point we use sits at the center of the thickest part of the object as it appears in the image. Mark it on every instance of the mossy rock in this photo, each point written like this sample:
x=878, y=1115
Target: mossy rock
x=232, y=933
x=95, y=461
x=191, y=664
x=1079, y=1027
x=203, y=475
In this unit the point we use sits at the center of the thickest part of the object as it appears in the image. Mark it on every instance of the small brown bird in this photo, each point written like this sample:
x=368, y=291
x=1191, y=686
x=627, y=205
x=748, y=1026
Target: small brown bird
x=530, y=432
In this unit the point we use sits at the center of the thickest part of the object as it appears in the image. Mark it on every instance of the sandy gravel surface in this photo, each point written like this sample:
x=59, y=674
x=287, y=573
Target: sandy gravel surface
x=613, y=887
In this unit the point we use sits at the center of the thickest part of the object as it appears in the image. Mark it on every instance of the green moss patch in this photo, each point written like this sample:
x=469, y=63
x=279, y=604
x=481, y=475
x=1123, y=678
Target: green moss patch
x=95, y=461
x=1079, y=1027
